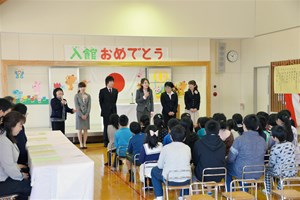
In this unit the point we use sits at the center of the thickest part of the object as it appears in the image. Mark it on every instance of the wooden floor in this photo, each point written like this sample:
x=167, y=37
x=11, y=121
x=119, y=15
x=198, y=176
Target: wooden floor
x=115, y=185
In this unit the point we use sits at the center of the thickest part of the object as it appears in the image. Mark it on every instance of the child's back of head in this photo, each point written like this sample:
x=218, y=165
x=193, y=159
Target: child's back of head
x=178, y=133
x=172, y=122
x=152, y=136
x=123, y=120
x=212, y=127
x=135, y=128
x=251, y=122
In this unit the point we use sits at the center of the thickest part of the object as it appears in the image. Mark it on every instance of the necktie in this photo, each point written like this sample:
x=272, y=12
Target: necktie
x=109, y=90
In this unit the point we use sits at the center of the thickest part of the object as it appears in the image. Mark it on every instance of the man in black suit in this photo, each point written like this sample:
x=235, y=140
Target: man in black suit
x=107, y=99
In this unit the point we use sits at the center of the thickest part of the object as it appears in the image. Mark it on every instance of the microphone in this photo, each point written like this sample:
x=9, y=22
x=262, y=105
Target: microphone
x=132, y=102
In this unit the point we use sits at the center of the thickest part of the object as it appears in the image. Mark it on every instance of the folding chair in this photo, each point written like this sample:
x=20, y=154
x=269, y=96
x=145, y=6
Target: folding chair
x=255, y=169
x=208, y=172
x=147, y=166
x=134, y=166
x=173, y=175
x=120, y=149
x=236, y=194
x=109, y=156
x=289, y=193
x=194, y=191
x=9, y=197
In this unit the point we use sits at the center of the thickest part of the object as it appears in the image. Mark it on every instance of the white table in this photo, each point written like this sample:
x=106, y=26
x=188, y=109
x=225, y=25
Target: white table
x=59, y=170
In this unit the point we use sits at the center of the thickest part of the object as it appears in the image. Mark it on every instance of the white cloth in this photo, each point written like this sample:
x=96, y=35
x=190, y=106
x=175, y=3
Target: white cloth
x=59, y=170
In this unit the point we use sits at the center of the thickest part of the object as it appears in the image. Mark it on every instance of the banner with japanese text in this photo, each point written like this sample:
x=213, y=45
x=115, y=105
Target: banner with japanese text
x=109, y=53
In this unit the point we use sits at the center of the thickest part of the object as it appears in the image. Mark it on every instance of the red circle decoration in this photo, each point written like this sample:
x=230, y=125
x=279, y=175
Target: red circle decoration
x=215, y=94
x=119, y=81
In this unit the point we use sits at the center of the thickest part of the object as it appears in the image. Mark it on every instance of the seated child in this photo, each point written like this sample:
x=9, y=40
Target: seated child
x=282, y=154
x=150, y=151
x=171, y=123
x=134, y=147
x=174, y=156
x=232, y=127
x=224, y=134
x=201, y=124
x=112, y=128
x=209, y=151
x=144, y=122
x=122, y=137
x=238, y=118
x=247, y=149
x=160, y=125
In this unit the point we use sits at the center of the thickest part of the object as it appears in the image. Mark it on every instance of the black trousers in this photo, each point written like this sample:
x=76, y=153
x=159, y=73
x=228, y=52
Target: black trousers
x=58, y=126
x=167, y=118
x=105, y=124
x=10, y=187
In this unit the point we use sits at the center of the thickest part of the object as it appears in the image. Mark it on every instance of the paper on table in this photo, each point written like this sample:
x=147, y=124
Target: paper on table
x=33, y=139
x=41, y=147
x=45, y=159
x=44, y=153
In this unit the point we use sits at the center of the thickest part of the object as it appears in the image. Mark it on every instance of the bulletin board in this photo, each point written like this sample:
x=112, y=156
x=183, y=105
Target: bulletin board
x=285, y=79
x=127, y=77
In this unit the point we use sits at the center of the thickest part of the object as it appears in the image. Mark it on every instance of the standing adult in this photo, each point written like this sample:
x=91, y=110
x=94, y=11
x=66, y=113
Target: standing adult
x=192, y=101
x=169, y=102
x=107, y=99
x=83, y=106
x=144, y=100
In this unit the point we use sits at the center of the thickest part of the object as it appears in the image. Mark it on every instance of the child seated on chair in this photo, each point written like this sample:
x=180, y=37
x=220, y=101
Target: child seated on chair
x=171, y=123
x=209, y=152
x=134, y=146
x=282, y=156
x=175, y=156
x=122, y=137
x=201, y=126
x=149, y=152
x=247, y=149
x=112, y=128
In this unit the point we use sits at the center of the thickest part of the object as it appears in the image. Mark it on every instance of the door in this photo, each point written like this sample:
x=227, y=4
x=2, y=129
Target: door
x=262, y=89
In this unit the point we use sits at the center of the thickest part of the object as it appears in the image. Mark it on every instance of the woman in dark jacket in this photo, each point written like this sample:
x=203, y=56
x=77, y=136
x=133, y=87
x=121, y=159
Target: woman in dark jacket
x=59, y=109
x=192, y=101
x=169, y=102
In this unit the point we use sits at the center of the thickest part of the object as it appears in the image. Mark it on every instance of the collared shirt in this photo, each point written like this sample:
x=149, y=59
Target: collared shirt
x=170, y=94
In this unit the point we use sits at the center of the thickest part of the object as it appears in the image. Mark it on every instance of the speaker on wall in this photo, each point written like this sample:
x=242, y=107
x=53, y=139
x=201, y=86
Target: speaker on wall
x=221, y=57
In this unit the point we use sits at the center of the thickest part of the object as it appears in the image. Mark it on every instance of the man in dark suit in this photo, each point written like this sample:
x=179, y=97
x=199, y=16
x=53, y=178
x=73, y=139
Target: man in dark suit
x=107, y=99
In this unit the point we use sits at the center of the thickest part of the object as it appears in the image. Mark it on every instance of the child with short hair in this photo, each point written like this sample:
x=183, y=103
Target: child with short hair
x=174, y=156
x=282, y=155
x=248, y=149
x=201, y=124
x=5, y=107
x=134, y=147
x=144, y=122
x=122, y=137
x=171, y=123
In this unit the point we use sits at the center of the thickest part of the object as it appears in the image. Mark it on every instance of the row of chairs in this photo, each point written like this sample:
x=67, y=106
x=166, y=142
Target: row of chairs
x=209, y=172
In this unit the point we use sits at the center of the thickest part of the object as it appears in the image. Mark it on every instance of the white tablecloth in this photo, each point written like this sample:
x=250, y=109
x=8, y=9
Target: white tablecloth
x=59, y=170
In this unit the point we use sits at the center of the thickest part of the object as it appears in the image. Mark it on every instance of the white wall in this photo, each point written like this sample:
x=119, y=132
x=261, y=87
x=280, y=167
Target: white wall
x=276, y=15
x=261, y=51
x=228, y=88
x=205, y=18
